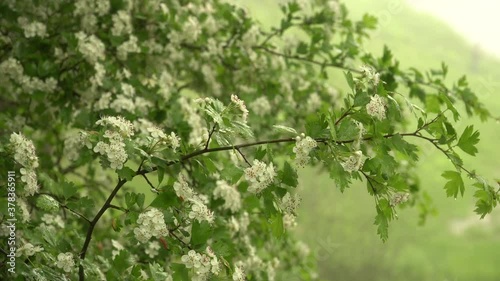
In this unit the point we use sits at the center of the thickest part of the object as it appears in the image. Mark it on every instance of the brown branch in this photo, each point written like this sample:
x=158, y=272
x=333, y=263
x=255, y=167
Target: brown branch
x=107, y=204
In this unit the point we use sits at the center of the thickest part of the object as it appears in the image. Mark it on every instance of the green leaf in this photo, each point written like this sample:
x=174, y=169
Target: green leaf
x=454, y=184
x=180, y=272
x=231, y=174
x=484, y=204
x=200, y=233
x=161, y=174
x=468, y=140
x=276, y=225
x=166, y=199
x=126, y=173
x=289, y=175
x=140, y=199
x=382, y=225
x=68, y=189
x=285, y=129
x=130, y=199
x=404, y=147
x=350, y=80
x=157, y=272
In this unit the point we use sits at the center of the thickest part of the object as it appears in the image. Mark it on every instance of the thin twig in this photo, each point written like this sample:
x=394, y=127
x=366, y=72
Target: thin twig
x=244, y=158
x=146, y=178
x=210, y=135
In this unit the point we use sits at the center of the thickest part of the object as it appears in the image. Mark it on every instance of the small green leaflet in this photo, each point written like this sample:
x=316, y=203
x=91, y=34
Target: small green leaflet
x=126, y=173
x=289, y=175
x=468, y=140
x=276, y=225
x=454, y=184
x=285, y=129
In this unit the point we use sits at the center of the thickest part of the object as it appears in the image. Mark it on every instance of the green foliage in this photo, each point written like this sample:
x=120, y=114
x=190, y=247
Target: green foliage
x=101, y=95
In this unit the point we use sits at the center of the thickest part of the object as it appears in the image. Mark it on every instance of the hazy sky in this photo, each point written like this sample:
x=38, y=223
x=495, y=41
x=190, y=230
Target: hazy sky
x=477, y=20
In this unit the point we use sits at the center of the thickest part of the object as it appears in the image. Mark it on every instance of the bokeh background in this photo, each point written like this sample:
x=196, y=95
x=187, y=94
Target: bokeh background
x=453, y=244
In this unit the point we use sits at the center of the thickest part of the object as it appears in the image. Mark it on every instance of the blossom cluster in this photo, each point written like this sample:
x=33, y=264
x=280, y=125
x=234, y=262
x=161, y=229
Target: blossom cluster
x=13, y=70
x=399, y=198
x=241, y=106
x=28, y=250
x=376, y=107
x=239, y=272
x=74, y=142
x=159, y=137
x=302, y=149
x=289, y=203
x=25, y=155
x=65, y=261
x=231, y=196
x=91, y=47
x=354, y=162
x=32, y=29
x=260, y=176
x=370, y=74
x=199, y=132
x=203, y=264
x=150, y=223
x=197, y=202
x=114, y=148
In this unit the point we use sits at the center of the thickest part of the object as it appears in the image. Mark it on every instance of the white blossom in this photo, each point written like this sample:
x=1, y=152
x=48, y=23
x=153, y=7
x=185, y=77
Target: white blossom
x=376, y=107
x=28, y=250
x=182, y=188
x=199, y=132
x=149, y=224
x=192, y=29
x=302, y=149
x=354, y=162
x=65, y=261
x=313, y=102
x=231, y=196
x=25, y=155
x=239, y=272
x=259, y=176
x=372, y=76
x=202, y=264
x=91, y=47
x=129, y=46
x=122, y=23
x=32, y=29
x=260, y=106
x=125, y=127
x=289, y=220
x=200, y=211
x=399, y=198
x=152, y=250
x=290, y=204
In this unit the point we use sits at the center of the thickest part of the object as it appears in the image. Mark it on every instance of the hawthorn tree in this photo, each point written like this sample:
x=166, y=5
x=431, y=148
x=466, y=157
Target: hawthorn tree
x=160, y=140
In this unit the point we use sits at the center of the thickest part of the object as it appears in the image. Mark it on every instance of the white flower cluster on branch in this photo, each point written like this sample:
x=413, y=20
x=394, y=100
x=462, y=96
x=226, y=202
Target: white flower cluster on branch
x=150, y=223
x=199, y=210
x=259, y=176
x=302, y=149
x=65, y=261
x=202, y=264
x=354, y=162
x=399, y=198
x=376, y=107
x=241, y=105
x=114, y=149
x=231, y=196
x=25, y=155
x=11, y=69
x=28, y=250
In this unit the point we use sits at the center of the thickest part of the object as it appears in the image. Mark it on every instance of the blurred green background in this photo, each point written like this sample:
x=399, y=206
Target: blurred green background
x=454, y=244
